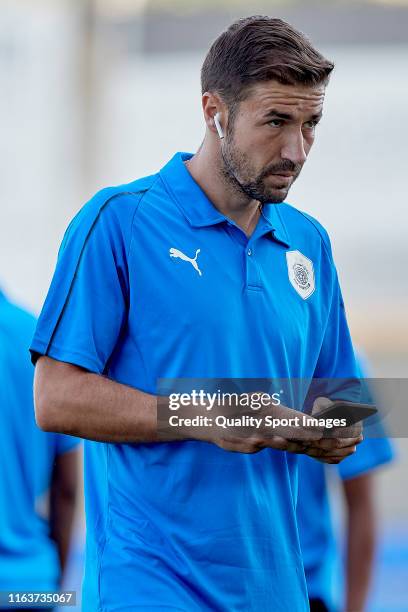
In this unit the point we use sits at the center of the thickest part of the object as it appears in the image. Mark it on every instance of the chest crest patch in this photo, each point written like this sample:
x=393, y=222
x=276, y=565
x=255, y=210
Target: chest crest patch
x=301, y=273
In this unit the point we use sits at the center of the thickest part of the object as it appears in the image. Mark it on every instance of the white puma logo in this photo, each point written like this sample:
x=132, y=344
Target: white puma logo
x=176, y=253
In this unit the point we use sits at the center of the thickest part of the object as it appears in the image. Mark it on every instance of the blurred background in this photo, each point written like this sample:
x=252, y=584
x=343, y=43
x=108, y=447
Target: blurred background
x=100, y=92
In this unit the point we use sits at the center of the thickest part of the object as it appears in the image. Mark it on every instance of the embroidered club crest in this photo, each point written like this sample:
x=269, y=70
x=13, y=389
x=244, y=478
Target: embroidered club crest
x=301, y=273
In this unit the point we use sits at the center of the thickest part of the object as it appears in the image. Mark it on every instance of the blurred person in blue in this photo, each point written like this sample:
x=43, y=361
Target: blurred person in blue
x=38, y=473
x=199, y=271
x=330, y=587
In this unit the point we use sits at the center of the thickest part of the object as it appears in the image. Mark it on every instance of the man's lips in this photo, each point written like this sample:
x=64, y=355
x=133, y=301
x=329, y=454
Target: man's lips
x=283, y=179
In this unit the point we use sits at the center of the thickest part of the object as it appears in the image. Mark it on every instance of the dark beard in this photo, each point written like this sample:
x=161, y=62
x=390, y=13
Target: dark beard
x=236, y=164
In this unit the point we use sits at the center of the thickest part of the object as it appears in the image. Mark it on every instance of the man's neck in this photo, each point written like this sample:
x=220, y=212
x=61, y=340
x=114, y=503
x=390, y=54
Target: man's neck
x=205, y=168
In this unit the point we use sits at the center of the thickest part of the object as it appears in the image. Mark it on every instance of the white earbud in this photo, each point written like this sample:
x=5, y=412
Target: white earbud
x=218, y=125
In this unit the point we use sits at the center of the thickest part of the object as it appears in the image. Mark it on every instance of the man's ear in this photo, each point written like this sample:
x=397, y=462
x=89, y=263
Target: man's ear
x=214, y=113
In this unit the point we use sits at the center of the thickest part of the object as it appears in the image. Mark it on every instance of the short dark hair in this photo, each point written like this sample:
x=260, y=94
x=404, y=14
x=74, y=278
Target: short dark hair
x=258, y=48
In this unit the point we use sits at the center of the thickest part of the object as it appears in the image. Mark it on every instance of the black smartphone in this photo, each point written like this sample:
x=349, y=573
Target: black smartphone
x=351, y=411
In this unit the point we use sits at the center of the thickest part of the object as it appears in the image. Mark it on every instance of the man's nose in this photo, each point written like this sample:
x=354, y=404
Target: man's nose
x=294, y=148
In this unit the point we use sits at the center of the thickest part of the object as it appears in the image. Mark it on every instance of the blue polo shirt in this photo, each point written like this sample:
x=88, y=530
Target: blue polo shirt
x=320, y=549
x=28, y=557
x=152, y=281
x=321, y=553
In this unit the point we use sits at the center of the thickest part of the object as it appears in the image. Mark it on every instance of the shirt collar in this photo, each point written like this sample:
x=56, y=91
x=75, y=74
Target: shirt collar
x=274, y=222
x=199, y=210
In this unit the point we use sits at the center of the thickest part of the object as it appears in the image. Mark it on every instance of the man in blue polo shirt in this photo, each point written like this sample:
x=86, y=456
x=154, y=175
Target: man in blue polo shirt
x=321, y=554
x=38, y=473
x=199, y=271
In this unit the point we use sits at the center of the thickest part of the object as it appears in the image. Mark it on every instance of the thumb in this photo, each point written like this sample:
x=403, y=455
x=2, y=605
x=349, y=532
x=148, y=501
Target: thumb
x=320, y=403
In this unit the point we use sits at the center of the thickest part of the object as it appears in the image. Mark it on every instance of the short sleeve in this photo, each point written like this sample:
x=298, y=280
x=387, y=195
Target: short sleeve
x=336, y=374
x=370, y=455
x=86, y=306
x=336, y=357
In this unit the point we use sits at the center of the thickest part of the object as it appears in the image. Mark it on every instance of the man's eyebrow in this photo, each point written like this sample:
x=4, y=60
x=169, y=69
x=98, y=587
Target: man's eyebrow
x=275, y=113
x=317, y=116
x=288, y=117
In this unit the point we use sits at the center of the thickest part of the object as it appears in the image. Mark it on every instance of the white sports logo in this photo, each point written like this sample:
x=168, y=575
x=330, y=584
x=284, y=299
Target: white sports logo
x=301, y=273
x=176, y=253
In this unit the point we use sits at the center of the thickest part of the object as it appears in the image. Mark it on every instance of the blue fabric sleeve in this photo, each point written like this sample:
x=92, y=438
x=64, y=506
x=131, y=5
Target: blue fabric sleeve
x=337, y=358
x=336, y=374
x=86, y=306
x=370, y=454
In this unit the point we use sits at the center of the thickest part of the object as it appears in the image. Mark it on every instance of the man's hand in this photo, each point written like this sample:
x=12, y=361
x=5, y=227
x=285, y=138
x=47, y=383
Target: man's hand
x=328, y=450
x=305, y=439
x=339, y=443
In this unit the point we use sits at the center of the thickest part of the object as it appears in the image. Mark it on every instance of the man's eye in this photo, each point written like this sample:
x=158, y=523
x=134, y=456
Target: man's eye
x=275, y=122
x=311, y=124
